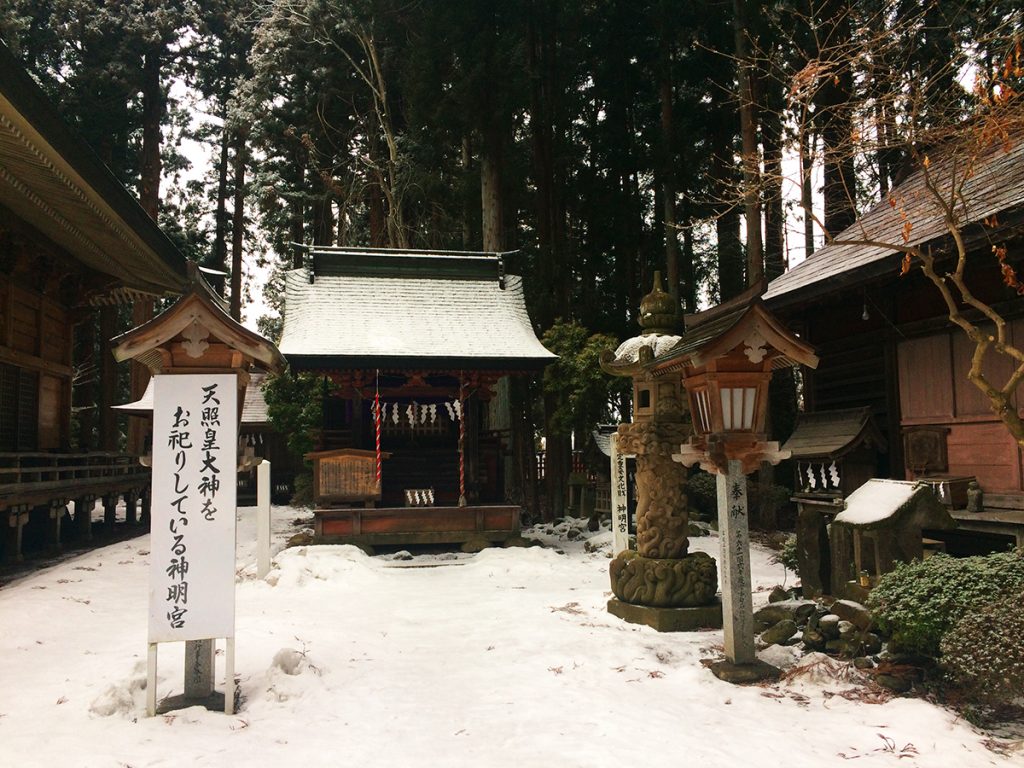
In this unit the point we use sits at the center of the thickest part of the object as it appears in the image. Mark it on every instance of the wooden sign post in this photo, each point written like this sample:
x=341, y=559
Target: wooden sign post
x=200, y=358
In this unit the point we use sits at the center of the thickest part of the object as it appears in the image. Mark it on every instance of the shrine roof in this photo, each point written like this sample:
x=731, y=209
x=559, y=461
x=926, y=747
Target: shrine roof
x=360, y=307
x=254, y=408
x=831, y=434
x=56, y=183
x=996, y=185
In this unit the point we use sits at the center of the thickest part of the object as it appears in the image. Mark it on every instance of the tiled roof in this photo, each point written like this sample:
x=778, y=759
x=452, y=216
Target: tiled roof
x=997, y=185
x=254, y=409
x=361, y=308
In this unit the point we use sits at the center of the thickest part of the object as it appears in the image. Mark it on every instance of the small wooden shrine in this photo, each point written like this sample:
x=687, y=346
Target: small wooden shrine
x=834, y=454
x=411, y=347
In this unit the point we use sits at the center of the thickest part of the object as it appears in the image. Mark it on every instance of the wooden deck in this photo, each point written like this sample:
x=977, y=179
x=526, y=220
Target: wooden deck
x=1003, y=514
x=416, y=525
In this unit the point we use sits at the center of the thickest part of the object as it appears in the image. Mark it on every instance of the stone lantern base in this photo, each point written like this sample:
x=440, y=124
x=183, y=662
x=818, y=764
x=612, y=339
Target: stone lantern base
x=666, y=594
x=669, y=619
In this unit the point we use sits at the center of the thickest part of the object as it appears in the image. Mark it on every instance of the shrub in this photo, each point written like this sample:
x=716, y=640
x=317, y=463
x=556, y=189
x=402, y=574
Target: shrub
x=919, y=602
x=787, y=556
x=702, y=494
x=984, y=652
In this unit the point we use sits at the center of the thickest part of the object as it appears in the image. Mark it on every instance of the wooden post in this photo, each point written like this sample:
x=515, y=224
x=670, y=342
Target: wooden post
x=263, y=519
x=83, y=517
x=109, y=514
x=734, y=538
x=620, y=500
x=57, y=509
x=131, y=499
x=16, y=519
x=151, y=680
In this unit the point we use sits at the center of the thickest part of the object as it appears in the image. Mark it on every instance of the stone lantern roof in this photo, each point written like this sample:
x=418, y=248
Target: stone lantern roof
x=659, y=318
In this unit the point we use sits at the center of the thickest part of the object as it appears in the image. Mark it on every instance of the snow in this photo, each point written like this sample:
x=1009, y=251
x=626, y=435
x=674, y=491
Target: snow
x=504, y=658
x=876, y=500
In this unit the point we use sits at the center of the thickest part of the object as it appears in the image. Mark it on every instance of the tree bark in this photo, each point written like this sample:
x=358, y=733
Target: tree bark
x=748, y=132
x=153, y=102
x=238, y=228
x=668, y=186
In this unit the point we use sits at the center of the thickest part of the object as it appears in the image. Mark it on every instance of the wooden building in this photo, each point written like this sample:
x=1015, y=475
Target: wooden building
x=428, y=335
x=75, y=247
x=886, y=342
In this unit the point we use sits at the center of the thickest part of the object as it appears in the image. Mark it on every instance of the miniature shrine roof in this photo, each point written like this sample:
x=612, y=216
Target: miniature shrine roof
x=50, y=178
x=997, y=185
x=362, y=308
x=831, y=434
x=889, y=503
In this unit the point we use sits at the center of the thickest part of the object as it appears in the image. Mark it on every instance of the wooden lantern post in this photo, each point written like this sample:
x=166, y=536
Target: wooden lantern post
x=726, y=363
x=199, y=344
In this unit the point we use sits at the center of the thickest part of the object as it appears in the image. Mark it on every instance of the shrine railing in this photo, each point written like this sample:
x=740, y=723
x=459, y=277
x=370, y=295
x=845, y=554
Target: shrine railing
x=25, y=475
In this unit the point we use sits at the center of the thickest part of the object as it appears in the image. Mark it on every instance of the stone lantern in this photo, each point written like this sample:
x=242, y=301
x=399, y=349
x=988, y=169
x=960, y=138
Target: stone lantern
x=658, y=584
x=725, y=360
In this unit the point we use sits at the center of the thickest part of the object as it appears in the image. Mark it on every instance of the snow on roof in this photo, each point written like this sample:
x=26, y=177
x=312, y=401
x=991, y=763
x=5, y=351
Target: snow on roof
x=254, y=409
x=996, y=185
x=880, y=503
x=366, y=308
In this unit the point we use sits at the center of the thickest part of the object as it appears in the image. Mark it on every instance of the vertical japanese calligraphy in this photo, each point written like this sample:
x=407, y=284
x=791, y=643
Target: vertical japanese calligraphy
x=620, y=500
x=192, y=552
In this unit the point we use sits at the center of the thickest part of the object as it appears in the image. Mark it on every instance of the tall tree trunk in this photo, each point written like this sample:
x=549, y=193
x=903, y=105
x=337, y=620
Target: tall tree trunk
x=220, y=218
x=153, y=102
x=667, y=165
x=748, y=132
x=774, y=220
x=727, y=219
x=491, y=202
x=467, y=210
x=806, y=190
x=297, y=223
x=833, y=115
x=238, y=227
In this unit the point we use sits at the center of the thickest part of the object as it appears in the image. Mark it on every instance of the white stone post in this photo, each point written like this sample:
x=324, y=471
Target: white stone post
x=619, y=499
x=734, y=538
x=263, y=518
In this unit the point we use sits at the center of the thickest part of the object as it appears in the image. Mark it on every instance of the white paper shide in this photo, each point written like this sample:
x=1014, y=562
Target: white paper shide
x=192, y=552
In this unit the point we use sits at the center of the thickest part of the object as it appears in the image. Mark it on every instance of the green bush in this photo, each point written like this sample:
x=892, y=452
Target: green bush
x=787, y=556
x=702, y=494
x=919, y=602
x=984, y=652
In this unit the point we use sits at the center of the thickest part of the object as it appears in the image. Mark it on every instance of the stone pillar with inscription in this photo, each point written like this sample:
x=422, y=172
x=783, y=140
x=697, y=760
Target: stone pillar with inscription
x=659, y=584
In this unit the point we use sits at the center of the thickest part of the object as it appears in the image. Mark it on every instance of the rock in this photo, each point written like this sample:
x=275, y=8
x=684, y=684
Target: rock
x=795, y=610
x=777, y=595
x=693, y=530
x=743, y=674
x=863, y=662
x=520, y=541
x=846, y=629
x=853, y=612
x=893, y=683
x=814, y=640
x=872, y=643
x=403, y=555
x=828, y=625
x=573, y=533
x=475, y=545
x=779, y=633
x=815, y=618
x=303, y=539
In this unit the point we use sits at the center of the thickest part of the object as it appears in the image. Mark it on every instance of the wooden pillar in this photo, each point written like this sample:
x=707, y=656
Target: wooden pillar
x=108, y=433
x=17, y=517
x=147, y=494
x=142, y=312
x=131, y=498
x=472, y=417
x=109, y=513
x=57, y=509
x=83, y=517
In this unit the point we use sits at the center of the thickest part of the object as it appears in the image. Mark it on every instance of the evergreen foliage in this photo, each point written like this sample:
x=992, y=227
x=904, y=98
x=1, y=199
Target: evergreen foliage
x=919, y=602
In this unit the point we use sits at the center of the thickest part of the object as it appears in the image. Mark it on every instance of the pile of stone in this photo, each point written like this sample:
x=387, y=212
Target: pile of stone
x=842, y=627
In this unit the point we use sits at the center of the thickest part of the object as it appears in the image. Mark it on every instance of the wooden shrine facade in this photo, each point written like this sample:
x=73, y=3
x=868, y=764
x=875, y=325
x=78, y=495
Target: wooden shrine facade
x=412, y=348
x=886, y=341
x=76, y=250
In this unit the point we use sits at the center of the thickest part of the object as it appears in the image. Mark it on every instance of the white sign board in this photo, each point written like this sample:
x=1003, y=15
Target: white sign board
x=620, y=500
x=192, y=545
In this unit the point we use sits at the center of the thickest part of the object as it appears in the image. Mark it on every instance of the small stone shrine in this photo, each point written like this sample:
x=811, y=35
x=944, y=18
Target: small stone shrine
x=659, y=584
x=885, y=520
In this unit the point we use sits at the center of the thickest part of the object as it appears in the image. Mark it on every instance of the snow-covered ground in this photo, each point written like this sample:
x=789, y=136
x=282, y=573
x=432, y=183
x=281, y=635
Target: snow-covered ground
x=504, y=658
